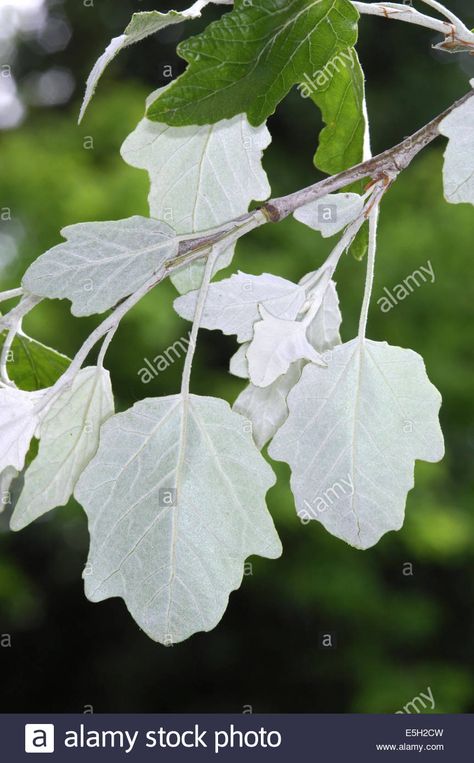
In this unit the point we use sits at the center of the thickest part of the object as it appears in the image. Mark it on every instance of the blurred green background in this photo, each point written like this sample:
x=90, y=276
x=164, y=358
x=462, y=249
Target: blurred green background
x=396, y=633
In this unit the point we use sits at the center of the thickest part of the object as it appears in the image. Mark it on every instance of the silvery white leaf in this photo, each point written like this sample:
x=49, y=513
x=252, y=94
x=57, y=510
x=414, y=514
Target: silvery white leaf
x=232, y=305
x=201, y=177
x=266, y=407
x=458, y=172
x=323, y=331
x=276, y=344
x=18, y=424
x=352, y=436
x=141, y=25
x=69, y=438
x=239, y=365
x=332, y=213
x=176, y=502
x=6, y=478
x=101, y=263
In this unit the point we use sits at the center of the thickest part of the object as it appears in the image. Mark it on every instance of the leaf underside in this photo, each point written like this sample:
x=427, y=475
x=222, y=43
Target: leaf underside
x=176, y=502
x=352, y=436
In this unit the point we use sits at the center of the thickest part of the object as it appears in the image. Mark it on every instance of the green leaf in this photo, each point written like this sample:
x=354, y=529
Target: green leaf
x=340, y=94
x=32, y=365
x=248, y=60
x=341, y=142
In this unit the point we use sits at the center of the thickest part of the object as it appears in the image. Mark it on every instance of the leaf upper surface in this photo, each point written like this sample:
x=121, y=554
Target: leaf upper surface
x=248, y=60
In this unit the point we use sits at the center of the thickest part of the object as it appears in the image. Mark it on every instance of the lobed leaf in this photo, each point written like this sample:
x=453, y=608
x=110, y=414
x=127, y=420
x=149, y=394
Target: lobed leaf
x=247, y=61
x=200, y=177
x=176, y=502
x=352, y=436
x=232, y=305
x=101, y=263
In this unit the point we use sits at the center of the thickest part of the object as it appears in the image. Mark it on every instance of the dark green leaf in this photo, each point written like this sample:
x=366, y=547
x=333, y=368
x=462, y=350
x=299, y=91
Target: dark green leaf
x=248, y=60
x=32, y=365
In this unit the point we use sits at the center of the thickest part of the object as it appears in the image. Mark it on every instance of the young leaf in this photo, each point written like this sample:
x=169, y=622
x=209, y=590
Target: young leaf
x=332, y=213
x=458, y=172
x=249, y=60
x=323, y=331
x=101, y=263
x=69, y=438
x=32, y=365
x=142, y=25
x=266, y=407
x=232, y=305
x=352, y=436
x=176, y=502
x=18, y=424
x=200, y=177
x=276, y=344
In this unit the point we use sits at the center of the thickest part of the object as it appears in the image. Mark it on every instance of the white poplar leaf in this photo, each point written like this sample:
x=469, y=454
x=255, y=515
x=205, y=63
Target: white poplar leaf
x=267, y=407
x=323, y=331
x=353, y=434
x=200, y=177
x=6, y=479
x=141, y=25
x=101, y=263
x=458, y=171
x=232, y=305
x=176, y=502
x=69, y=439
x=276, y=344
x=239, y=365
x=18, y=424
x=332, y=213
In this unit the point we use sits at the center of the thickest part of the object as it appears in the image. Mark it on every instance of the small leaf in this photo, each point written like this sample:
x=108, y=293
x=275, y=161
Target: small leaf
x=247, y=61
x=101, y=263
x=352, y=436
x=232, y=305
x=142, y=25
x=200, y=177
x=266, y=407
x=176, y=502
x=458, y=172
x=276, y=344
x=69, y=438
x=332, y=213
x=32, y=365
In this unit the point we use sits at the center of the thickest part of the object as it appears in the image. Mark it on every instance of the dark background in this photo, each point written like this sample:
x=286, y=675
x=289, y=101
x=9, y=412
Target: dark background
x=397, y=634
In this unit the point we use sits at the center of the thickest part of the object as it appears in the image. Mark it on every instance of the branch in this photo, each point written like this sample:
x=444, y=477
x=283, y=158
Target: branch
x=385, y=166
x=390, y=162
x=457, y=36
